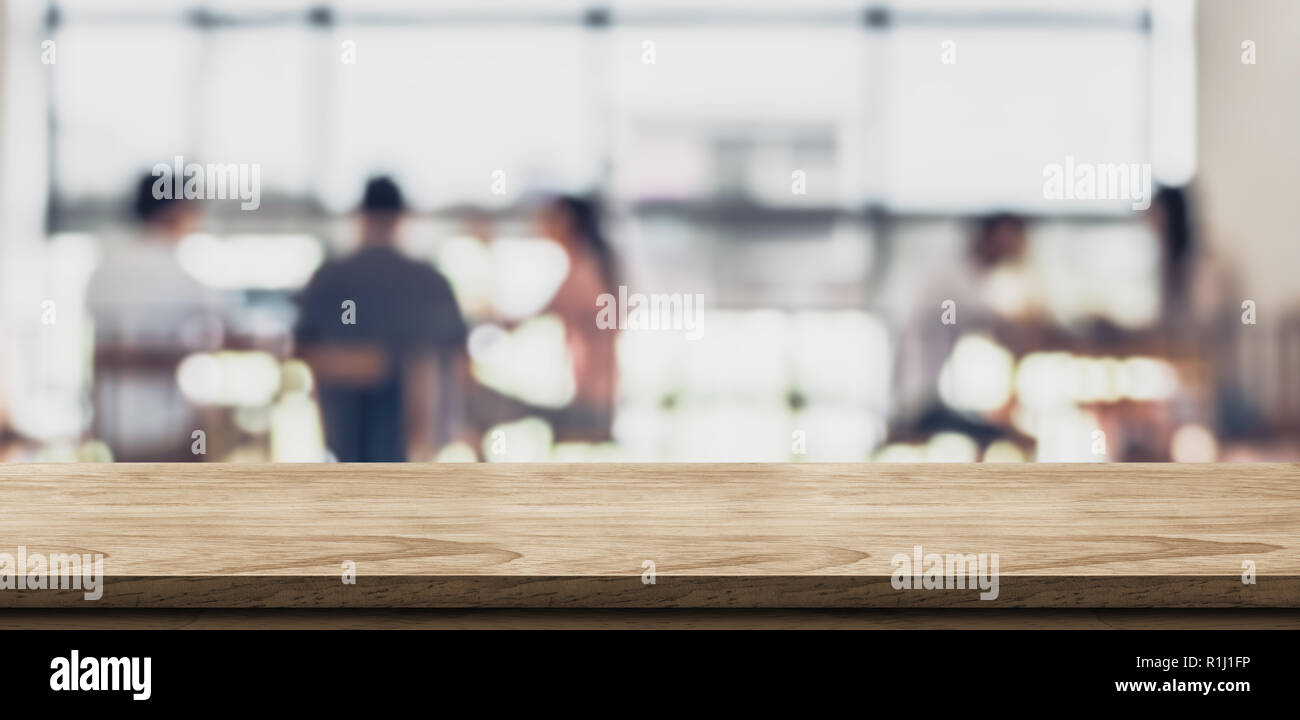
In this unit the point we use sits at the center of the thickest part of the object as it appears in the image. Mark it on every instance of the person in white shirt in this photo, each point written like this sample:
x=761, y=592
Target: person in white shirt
x=148, y=314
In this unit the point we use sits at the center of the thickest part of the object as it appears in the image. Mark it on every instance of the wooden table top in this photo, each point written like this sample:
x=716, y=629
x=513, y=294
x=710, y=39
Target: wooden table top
x=719, y=535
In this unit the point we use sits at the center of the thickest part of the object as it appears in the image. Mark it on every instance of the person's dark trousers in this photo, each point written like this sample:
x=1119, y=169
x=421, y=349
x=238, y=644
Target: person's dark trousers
x=364, y=425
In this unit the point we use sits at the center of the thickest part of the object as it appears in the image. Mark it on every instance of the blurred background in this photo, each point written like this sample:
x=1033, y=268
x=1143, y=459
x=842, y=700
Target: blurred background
x=855, y=190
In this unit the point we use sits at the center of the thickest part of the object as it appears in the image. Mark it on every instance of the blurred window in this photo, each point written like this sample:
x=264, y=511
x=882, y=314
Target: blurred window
x=652, y=100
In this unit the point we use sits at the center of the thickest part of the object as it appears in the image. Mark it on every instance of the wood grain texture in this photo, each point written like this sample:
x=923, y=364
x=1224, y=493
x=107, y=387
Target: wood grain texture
x=649, y=619
x=721, y=536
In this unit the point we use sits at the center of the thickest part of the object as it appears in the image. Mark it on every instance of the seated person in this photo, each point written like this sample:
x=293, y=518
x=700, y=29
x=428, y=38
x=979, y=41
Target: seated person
x=148, y=314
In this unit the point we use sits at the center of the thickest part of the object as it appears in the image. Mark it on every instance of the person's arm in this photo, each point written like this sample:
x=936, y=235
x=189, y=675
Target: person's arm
x=454, y=409
x=420, y=405
x=449, y=366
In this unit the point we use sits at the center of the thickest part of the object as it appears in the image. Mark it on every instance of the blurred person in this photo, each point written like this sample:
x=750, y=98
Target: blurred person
x=1201, y=294
x=574, y=224
x=1196, y=283
x=384, y=337
x=1007, y=284
x=148, y=314
x=1170, y=220
x=992, y=290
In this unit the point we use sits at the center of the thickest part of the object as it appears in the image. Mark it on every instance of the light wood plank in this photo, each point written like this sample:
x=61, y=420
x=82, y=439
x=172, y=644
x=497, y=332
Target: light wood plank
x=729, y=535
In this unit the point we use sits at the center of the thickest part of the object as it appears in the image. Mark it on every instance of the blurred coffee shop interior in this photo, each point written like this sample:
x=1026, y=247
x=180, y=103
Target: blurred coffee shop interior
x=855, y=190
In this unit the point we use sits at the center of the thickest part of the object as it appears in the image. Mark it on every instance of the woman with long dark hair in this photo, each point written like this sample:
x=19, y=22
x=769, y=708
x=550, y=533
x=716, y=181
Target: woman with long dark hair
x=574, y=223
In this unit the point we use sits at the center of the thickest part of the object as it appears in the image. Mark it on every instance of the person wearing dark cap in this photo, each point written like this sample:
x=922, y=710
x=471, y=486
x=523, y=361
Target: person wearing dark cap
x=382, y=333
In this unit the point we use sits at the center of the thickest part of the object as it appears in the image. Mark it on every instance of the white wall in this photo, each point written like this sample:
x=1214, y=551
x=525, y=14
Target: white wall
x=1248, y=184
